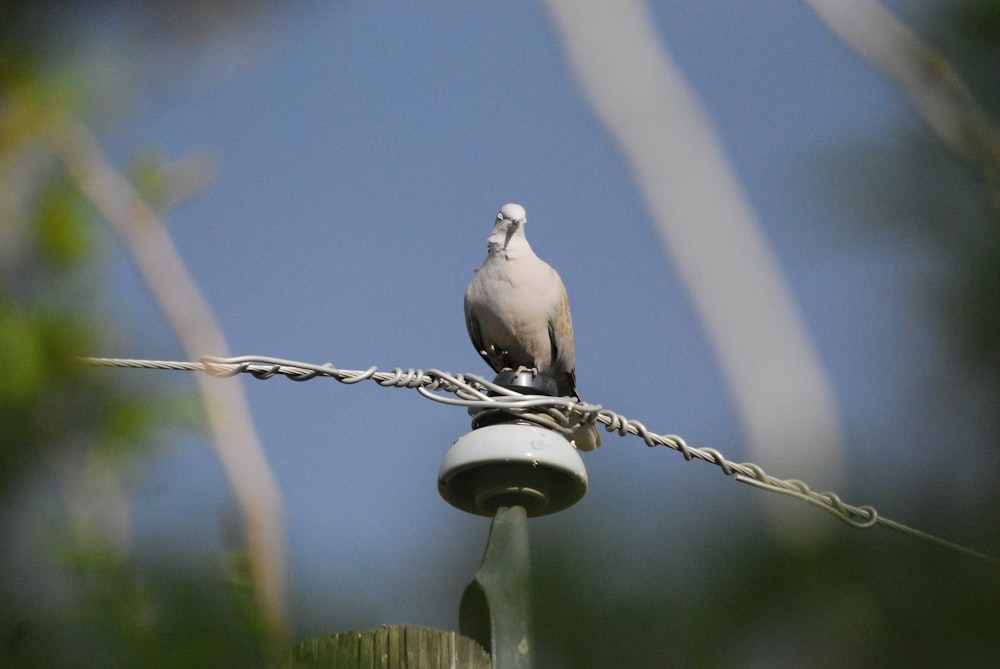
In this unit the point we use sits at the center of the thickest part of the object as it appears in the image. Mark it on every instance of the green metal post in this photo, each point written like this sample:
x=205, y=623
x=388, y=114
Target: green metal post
x=496, y=606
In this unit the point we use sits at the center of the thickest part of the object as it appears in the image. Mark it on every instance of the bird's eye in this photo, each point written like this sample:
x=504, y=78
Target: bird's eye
x=499, y=217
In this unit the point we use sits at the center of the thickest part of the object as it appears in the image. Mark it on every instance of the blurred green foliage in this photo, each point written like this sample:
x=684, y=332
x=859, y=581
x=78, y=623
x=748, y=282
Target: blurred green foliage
x=71, y=592
x=974, y=27
x=976, y=42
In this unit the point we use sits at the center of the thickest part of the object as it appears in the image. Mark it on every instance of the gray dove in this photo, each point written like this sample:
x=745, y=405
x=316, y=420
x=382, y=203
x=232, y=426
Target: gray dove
x=517, y=313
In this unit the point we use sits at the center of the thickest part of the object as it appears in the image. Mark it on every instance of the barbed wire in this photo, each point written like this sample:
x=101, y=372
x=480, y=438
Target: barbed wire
x=557, y=413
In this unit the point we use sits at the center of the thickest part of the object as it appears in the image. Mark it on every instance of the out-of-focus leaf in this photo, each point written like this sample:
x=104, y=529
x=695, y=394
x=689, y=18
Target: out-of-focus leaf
x=61, y=227
x=979, y=20
x=21, y=359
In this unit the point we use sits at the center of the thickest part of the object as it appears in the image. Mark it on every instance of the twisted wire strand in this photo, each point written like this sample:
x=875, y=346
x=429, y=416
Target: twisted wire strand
x=561, y=414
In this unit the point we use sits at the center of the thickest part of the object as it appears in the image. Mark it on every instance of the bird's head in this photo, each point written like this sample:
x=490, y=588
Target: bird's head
x=510, y=222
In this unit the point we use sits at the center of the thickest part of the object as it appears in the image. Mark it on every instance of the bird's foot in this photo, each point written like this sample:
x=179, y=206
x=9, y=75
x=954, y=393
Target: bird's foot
x=522, y=368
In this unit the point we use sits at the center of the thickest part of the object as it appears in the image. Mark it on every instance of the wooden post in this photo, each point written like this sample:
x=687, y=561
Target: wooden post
x=389, y=647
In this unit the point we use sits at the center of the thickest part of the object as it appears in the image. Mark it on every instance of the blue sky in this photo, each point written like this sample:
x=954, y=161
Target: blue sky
x=362, y=152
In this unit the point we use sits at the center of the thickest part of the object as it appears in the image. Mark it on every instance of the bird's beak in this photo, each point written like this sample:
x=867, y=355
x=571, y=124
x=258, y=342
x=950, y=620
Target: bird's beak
x=511, y=229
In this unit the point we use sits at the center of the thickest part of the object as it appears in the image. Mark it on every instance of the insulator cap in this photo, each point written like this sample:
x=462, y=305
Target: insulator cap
x=527, y=383
x=512, y=465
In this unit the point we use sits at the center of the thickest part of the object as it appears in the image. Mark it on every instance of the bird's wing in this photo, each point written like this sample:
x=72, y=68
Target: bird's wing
x=563, y=365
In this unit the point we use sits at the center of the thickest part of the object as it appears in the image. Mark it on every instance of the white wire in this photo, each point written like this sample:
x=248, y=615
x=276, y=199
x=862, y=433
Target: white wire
x=562, y=414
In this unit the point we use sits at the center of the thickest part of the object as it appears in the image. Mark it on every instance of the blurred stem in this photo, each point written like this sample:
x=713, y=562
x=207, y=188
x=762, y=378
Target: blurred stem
x=774, y=373
x=927, y=79
x=234, y=437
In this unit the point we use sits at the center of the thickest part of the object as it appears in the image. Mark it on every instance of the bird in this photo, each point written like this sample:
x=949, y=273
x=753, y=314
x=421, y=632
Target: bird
x=517, y=313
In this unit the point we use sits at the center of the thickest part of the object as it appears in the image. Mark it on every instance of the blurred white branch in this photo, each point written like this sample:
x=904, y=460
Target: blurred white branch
x=709, y=231
x=933, y=87
x=234, y=437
